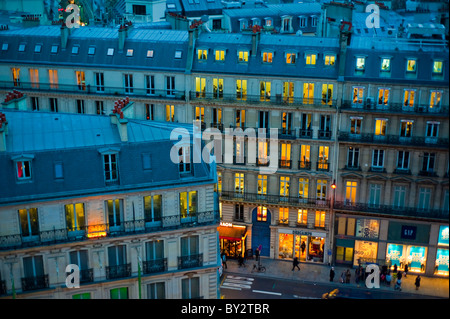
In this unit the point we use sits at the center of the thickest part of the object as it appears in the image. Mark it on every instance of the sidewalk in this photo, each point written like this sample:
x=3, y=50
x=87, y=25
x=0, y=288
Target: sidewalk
x=318, y=273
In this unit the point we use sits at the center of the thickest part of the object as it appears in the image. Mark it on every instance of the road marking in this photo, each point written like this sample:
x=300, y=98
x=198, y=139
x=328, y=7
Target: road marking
x=234, y=288
x=237, y=277
x=237, y=282
x=301, y=297
x=267, y=292
x=237, y=285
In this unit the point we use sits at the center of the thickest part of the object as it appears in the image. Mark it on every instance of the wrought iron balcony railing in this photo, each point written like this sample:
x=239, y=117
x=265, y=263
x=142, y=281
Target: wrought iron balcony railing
x=190, y=261
x=118, y=271
x=35, y=283
x=439, y=110
x=154, y=266
x=274, y=199
x=125, y=228
x=419, y=141
x=392, y=210
x=304, y=165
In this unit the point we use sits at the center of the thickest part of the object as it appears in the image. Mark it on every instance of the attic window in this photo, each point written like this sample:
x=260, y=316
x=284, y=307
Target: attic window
x=21, y=47
x=149, y=53
x=38, y=48
x=130, y=52
x=75, y=49
x=243, y=56
x=4, y=46
x=170, y=6
x=110, y=51
x=54, y=49
x=178, y=54
x=91, y=50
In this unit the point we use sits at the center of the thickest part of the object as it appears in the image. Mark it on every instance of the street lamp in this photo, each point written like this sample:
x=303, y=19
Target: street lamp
x=333, y=186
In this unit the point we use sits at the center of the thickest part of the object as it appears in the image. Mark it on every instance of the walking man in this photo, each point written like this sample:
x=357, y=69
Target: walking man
x=331, y=273
x=417, y=283
x=224, y=260
x=295, y=264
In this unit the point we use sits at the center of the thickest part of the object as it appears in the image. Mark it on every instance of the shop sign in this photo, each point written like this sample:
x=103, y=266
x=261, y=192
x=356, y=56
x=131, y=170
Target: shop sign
x=408, y=232
x=302, y=232
x=225, y=224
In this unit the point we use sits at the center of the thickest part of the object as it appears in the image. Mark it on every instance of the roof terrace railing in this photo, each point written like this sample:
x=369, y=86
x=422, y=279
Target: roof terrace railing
x=438, y=110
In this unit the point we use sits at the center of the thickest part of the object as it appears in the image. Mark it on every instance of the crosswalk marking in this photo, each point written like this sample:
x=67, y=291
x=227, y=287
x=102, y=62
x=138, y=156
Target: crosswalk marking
x=237, y=282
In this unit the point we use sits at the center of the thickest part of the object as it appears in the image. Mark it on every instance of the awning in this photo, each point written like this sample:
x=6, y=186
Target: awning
x=231, y=233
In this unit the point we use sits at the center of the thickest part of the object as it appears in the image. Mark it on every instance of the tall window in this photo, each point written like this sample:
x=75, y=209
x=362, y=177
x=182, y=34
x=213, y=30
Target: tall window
x=327, y=94
x=114, y=210
x=99, y=81
x=34, y=78
x=303, y=186
x=150, y=84
x=218, y=88
x=53, y=78
x=80, y=107
x=302, y=216
x=308, y=93
x=16, y=76
x=156, y=290
x=358, y=95
x=378, y=159
x=353, y=157
x=170, y=85
x=154, y=250
x=263, y=120
x=305, y=151
x=240, y=119
x=81, y=80
x=406, y=128
x=319, y=221
x=239, y=183
x=200, y=113
x=262, y=153
x=325, y=126
x=350, y=192
x=355, y=125
x=435, y=99
x=374, y=195
x=119, y=293
x=432, y=132
x=110, y=167
x=33, y=270
x=322, y=163
x=241, y=89
x=200, y=87
x=380, y=127
x=424, y=198
x=408, y=99
x=261, y=214
x=262, y=184
x=190, y=288
x=80, y=258
x=170, y=113
x=428, y=162
x=152, y=208
x=284, y=215
x=286, y=122
x=128, y=83
x=285, y=156
x=75, y=216
x=321, y=193
x=284, y=186
x=264, y=91
x=188, y=204
x=53, y=104
x=184, y=154
x=239, y=212
x=29, y=222
x=403, y=160
x=399, y=196
x=288, y=92
x=383, y=96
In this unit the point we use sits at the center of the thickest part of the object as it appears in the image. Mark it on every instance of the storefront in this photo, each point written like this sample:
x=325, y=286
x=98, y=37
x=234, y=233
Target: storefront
x=408, y=245
x=441, y=264
x=305, y=245
x=232, y=239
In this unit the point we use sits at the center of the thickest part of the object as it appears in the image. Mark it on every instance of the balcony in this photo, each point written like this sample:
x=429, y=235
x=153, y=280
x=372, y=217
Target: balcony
x=191, y=261
x=305, y=133
x=304, y=165
x=391, y=210
x=287, y=134
x=95, y=232
x=118, y=271
x=417, y=141
x=428, y=173
x=242, y=97
x=274, y=199
x=401, y=108
x=324, y=135
x=154, y=266
x=239, y=160
x=93, y=90
x=35, y=283
x=323, y=166
x=283, y=163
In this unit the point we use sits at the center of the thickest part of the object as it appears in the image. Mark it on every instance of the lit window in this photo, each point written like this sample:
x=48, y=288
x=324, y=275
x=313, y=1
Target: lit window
x=311, y=59
x=202, y=54
x=267, y=57
x=290, y=58
x=437, y=67
x=261, y=215
x=178, y=54
x=149, y=53
x=360, y=63
x=23, y=170
x=239, y=183
x=75, y=49
x=130, y=52
x=330, y=60
x=91, y=50
x=184, y=154
x=411, y=65
x=320, y=219
x=38, y=48
x=243, y=56
x=220, y=55
x=380, y=127
x=110, y=51
x=170, y=113
x=385, y=64
x=188, y=204
x=54, y=49
x=21, y=47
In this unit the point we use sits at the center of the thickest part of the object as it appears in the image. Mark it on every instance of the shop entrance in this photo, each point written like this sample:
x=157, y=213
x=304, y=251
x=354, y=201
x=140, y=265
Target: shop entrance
x=261, y=217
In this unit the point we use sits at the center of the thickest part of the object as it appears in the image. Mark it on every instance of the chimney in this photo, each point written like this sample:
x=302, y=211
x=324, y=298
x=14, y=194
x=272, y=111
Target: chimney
x=124, y=31
x=118, y=117
x=256, y=36
x=64, y=36
x=3, y=132
x=15, y=100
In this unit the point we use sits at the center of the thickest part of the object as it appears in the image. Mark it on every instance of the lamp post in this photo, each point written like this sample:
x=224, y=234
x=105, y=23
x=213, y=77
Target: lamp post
x=333, y=196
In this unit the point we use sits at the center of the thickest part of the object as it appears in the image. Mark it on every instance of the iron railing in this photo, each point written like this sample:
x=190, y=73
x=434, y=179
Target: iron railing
x=438, y=110
x=118, y=271
x=154, y=266
x=125, y=228
x=392, y=210
x=190, y=261
x=35, y=283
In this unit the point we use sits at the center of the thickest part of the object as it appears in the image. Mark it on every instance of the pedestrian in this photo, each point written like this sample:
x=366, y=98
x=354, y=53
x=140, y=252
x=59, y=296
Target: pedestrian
x=257, y=253
x=347, y=276
x=399, y=275
x=388, y=278
x=343, y=277
x=331, y=273
x=395, y=268
x=357, y=274
x=417, y=283
x=303, y=246
x=406, y=270
x=295, y=264
x=224, y=260
x=241, y=261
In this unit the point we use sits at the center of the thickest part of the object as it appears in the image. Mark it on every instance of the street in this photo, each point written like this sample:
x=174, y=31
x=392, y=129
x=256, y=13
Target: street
x=239, y=286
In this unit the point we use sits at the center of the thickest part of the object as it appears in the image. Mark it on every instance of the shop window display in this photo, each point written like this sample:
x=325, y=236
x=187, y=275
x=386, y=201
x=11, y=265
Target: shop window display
x=400, y=255
x=315, y=251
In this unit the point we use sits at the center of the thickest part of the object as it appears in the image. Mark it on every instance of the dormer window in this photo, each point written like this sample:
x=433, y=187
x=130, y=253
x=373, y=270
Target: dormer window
x=286, y=25
x=149, y=53
x=360, y=63
x=303, y=21
x=91, y=51
x=438, y=67
x=267, y=57
x=268, y=22
x=385, y=64
x=38, y=48
x=411, y=65
x=243, y=56
x=178, y=54
x=219, y=55
x=314, y=21
x=54, y=49
x=5, y=47
x=202, y=54
x=110, y=52
x=184, y=159
x=75, y=49
x=291, y=58
x=22, y=165
x=329, y=59
x=130, y=52
x=21, y=47
x=256, y=21
x=243, y=24
x=311, y=59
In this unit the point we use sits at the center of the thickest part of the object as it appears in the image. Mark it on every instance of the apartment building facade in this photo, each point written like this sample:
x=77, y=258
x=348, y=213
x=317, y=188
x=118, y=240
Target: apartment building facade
x=313, y=91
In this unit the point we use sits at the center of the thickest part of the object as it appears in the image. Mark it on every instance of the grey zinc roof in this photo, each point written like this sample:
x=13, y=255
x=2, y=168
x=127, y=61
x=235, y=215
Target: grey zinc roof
x=275, y=9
